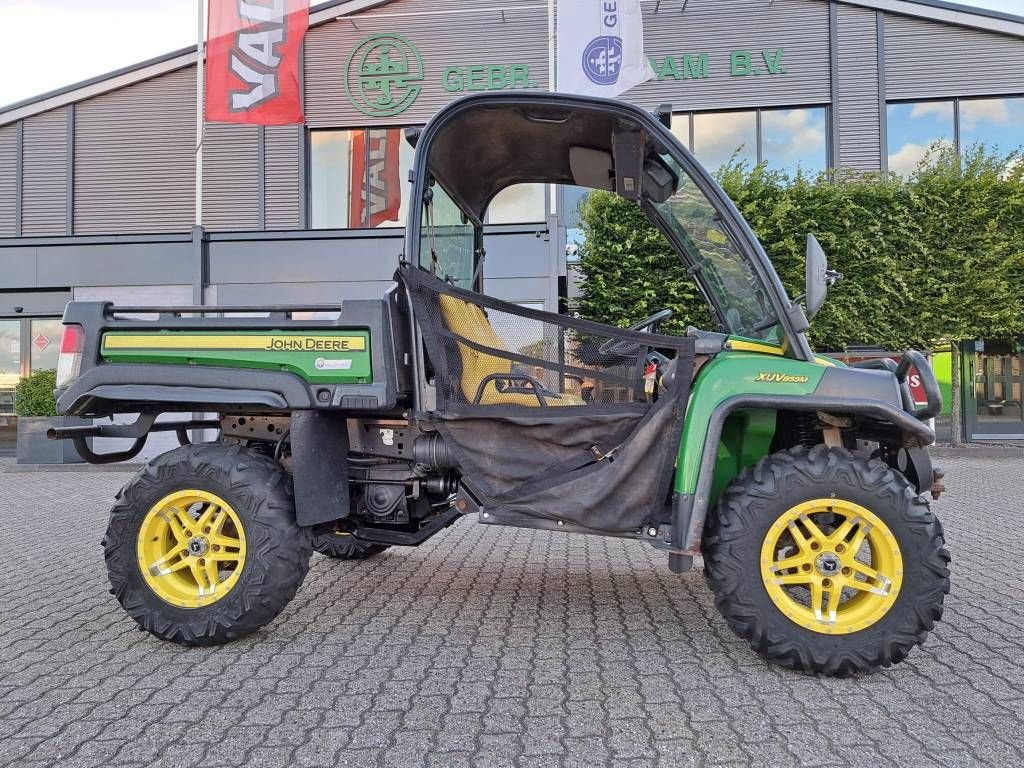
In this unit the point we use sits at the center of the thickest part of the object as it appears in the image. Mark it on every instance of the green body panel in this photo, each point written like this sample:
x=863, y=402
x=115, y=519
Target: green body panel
x=316, y=365
x=728, y=374
x=746, y=439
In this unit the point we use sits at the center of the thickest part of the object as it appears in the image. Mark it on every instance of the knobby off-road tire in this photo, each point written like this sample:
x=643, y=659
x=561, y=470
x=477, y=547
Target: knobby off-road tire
x=257, y=493
x=753, y=510
x=328, y=541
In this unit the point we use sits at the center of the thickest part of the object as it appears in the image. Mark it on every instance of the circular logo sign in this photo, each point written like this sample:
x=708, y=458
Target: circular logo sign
x=602, y=59
x=383, y=75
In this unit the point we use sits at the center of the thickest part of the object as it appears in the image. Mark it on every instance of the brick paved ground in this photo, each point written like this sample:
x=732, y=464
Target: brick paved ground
x=491, y=647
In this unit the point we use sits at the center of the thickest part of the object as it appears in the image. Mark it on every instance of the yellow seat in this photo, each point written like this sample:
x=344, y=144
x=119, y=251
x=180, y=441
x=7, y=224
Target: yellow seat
x=470, y=322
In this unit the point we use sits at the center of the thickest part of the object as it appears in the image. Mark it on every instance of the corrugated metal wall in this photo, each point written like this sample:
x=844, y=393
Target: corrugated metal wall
x=8, y=179
x=858, y=113
x=924, y=59
x=230, y=177
x=44, y=181
x=718, y=27
x=135, y=159
x=471, y=37
x=281, y=150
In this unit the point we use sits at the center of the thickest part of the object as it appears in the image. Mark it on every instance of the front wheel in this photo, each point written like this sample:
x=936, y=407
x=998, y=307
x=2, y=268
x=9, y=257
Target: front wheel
x=826, y=561
x=202, y=545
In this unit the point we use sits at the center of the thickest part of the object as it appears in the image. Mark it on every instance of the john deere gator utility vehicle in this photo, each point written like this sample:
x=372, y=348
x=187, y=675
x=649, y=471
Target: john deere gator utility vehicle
x=377, y=423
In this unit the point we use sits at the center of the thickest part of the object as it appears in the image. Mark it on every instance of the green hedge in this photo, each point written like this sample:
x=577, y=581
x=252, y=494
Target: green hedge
x=34, y=396
x=938, y=256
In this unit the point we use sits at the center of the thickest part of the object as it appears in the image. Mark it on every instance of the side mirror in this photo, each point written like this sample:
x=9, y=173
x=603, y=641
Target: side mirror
x=816, y=276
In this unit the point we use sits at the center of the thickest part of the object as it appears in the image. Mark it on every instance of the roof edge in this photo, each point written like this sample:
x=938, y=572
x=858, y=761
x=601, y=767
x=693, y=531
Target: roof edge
x=941, y=11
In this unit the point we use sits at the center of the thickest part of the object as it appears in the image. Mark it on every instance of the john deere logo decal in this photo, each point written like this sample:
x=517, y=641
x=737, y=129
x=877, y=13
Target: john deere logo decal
x=780, y=378
x=383, y=75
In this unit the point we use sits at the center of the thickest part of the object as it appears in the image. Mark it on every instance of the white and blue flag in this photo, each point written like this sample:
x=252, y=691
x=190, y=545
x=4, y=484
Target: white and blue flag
x=600, y=47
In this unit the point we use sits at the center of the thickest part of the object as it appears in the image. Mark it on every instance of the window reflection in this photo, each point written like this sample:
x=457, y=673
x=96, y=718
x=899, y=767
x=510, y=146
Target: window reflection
x=357, y=178
x=913, y=129
x=794, y=140
x=998, y=123
x=723, y=136
x=518, y=204
x=330, y=158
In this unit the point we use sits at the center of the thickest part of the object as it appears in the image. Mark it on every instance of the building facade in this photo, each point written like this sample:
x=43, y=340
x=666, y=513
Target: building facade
x=97, y=180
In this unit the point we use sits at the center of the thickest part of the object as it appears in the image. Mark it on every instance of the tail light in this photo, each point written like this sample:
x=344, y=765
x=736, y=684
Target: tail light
x=69, y=364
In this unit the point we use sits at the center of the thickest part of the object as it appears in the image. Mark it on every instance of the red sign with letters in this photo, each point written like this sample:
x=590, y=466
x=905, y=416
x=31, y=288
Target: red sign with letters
x=252, y=61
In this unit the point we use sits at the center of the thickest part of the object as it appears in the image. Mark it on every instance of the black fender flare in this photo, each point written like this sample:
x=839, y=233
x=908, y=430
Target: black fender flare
x=689, y=511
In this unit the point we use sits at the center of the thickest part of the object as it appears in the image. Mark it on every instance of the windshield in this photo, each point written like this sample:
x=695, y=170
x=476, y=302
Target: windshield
x=728, y=279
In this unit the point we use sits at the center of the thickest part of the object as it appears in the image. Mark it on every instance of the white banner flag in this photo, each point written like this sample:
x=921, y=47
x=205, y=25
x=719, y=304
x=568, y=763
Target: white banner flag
x=601, y=47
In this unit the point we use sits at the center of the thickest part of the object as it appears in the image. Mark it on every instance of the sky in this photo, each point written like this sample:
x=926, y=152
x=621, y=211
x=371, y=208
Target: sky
x=59, y=42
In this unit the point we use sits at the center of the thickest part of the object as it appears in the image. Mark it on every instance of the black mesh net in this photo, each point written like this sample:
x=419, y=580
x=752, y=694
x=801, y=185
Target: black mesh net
x=552, y=416
x=493, y=354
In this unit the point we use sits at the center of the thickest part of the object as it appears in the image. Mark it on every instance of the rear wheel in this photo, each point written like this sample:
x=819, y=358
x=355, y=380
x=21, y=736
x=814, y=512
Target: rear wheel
x=202, y=545
x=328, y=540
x=826, y=561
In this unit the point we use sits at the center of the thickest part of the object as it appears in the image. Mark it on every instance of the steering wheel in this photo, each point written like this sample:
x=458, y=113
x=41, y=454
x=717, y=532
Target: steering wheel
x=622, y=347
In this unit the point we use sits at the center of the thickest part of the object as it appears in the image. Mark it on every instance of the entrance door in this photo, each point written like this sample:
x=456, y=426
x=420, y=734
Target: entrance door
x=994, y=401
x=10, y=375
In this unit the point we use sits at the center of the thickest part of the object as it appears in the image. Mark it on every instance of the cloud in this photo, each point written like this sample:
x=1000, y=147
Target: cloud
x=792, y=133
x=908, y=157
x=942, y=109
x=984, y=111
x=717, y=136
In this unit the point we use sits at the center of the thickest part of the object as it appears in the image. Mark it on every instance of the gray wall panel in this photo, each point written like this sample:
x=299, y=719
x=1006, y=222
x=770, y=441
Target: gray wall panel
x=520, y=289
x=471, y=37
x=114, y=264
x=304, y=260
x=135, y=157
x=44, y=191
x=859, y=131
x=18, y=267
x=718, y=27
x=299, y=293
x=924, y=59
x=8, y=180
x=281, y=153
x=517, y=255
x=33, y=303
x=230, y=169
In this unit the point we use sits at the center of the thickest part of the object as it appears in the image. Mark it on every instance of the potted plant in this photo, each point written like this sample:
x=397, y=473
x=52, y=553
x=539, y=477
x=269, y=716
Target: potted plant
x=37, y=412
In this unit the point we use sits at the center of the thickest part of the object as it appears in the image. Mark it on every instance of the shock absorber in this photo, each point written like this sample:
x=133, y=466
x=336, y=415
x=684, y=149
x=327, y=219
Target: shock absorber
x=806, y=430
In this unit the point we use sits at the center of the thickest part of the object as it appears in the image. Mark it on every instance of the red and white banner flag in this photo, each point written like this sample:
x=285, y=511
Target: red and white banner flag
x=252, y=61
x=376, y=183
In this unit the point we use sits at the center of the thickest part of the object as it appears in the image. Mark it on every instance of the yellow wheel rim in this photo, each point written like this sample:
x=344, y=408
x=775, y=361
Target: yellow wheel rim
x=831, y=566
x=191, y=548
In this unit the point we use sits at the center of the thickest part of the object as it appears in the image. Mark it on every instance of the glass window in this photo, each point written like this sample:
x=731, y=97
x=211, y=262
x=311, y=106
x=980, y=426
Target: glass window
x=913, y=129
x=10, y=353
x=681, y=129
x=447, y=240
x=330, y=160
x=996, y=122
x=390, y=159
x=728, y=279
x=793, y=140
x=10, y=375
x=724, y=136
x=518, y=204
x=358, y=178
x=45, y=344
